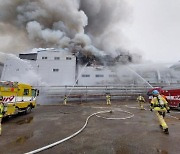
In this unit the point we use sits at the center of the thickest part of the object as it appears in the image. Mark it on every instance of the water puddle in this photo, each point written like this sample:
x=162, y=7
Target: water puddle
x=25, y=121
x=162, y=151
x=23, y=139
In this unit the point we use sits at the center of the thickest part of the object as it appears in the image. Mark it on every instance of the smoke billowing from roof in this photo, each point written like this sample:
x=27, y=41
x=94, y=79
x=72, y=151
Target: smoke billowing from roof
x=91, y=26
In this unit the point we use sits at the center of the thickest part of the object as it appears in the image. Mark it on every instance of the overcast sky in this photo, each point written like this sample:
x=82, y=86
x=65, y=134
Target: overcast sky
x=155, y=29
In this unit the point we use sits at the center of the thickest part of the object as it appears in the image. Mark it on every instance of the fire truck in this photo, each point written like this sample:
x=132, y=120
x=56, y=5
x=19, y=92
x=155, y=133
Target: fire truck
x=17, y=97
x=172, y=95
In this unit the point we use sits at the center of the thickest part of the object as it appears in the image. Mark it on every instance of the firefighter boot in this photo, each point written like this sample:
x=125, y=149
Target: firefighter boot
x=166, y=131
x=141, y=106
x=109, y=102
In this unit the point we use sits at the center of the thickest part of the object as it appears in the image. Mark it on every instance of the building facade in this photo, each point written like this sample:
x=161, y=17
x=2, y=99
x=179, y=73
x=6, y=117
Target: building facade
x=54, y=67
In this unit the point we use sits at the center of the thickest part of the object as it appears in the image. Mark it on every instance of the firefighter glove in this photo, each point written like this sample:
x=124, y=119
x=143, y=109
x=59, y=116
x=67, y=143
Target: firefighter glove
x=168, y=111
x=151, y=110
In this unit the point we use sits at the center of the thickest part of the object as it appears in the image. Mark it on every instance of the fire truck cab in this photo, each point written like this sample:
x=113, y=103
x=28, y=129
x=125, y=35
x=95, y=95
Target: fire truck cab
x=17, y=97
x=172, y=96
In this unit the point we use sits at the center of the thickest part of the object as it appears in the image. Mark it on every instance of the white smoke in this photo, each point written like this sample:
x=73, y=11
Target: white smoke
x=40, y=23
x=105, y=19
x=4, y=56
x=82, y=39
x=43, y=23
x=35, y=32
x=29, y=76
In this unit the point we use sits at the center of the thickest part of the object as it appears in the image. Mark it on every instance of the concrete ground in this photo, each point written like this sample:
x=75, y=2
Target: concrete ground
x=47, y=124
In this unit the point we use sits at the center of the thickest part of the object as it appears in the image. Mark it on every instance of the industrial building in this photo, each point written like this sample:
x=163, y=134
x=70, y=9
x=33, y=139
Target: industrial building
x=55, y=68
x=59, y=67
x=1, y=68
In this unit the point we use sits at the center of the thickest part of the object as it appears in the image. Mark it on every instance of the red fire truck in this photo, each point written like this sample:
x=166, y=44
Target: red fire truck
x=172, y=95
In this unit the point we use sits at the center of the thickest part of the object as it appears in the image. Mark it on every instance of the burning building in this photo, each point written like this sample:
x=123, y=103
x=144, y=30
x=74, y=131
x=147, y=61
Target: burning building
x=62, y=67
x=91, y=46
x=56, y=68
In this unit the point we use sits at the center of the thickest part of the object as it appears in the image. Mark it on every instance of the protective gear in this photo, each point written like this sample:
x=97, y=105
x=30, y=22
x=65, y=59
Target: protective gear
x=155, y=92
x=151, y=110
x=164, y=97
x=140, y=99
x=168, y=111
x=159, y=103
x=161, y=120
x=166, y=131
x=160, y=106
x=0, y=126
x=65, y=100
x=108, y=99
x=1, y=111
x=1, y=98
x=161, y=113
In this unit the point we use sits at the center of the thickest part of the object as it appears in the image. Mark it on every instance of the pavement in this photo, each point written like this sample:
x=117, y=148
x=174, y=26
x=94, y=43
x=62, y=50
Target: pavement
x=138, y=134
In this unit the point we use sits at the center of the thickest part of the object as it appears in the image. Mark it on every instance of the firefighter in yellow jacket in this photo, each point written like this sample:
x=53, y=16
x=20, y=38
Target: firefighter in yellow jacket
x=1, y=111
x=108, y=99
x=65, y=100
x=160, y=106
x=141, y=101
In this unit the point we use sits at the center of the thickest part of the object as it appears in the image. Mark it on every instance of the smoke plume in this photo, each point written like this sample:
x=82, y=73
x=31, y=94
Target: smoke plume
x=92, y=26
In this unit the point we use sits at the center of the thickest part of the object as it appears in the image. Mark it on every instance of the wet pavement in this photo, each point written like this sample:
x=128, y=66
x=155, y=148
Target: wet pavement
x=47, y=124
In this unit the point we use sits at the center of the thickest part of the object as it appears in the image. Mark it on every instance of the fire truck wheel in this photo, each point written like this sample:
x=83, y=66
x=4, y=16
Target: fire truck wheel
x=28, y=110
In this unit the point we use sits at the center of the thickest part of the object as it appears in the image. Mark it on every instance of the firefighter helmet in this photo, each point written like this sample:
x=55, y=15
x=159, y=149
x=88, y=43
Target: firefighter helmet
x=155, y=92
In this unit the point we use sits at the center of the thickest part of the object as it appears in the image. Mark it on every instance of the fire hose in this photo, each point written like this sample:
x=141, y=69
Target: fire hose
x=146, y=109
x=79, y=131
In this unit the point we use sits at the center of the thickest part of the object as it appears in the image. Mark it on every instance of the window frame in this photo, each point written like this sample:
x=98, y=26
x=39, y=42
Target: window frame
x=85, y=75
x=99, y=75
x=68, y=58
x=55, y=69
x=26, y=92
x=56, y=58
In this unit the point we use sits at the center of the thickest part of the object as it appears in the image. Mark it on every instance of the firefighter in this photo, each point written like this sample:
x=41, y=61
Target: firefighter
x=65, y=99
x=108, y=99
x=160, y=106
x=1, y=111
x=164, y=97
x=140, y=99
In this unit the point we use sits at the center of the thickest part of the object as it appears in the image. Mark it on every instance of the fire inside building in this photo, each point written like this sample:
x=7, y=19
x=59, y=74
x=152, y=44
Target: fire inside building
x=59, y=67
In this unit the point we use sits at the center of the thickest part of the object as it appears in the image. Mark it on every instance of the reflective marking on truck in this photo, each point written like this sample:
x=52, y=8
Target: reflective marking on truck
x=9, y=99
x=173, y=97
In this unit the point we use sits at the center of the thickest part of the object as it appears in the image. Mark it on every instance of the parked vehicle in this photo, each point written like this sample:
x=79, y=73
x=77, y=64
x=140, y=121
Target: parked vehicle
x=172, y=95
x=17, y=97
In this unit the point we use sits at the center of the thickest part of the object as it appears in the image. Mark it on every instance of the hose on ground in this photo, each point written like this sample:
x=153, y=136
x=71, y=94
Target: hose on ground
x=76, y=133
x=146, y=109
x=131, y=115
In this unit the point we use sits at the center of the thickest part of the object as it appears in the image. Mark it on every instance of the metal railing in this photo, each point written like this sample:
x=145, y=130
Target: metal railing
x=89, y=93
